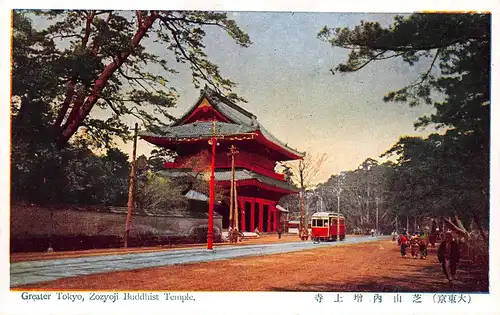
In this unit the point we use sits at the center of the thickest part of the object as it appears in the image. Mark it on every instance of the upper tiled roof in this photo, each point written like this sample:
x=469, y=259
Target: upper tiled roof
x=201, y=129
x=243, y=122
x=225, y=106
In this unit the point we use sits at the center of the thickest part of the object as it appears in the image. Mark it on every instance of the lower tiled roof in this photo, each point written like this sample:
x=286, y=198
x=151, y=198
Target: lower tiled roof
x=225, y=175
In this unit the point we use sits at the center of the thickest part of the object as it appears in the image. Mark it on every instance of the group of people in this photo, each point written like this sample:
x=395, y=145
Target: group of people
x=304, y=234
x=448, y=250
x=233, y=235
x=417, y=242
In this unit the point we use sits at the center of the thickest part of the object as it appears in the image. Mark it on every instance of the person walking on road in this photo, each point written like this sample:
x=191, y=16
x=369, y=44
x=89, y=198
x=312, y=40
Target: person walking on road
x=394, y=235
x=230, y=234
x=423, y=242
x=414, y=245
x=448, y=256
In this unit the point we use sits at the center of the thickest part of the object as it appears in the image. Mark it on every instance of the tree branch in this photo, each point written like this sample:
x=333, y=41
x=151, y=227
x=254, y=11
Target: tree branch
x=70, y=91
x=66, y=36
x=88, y=24
x=133, y=79
x=138, y=14
x=77, y=104
x=432, y=65
x=110, y=103
x=369, y=60
x=399, y=48
x=95, y=46
x=175, y=32
x=171, y=18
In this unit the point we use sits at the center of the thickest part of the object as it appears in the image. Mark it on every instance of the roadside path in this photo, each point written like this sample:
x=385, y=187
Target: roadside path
x=29, y=272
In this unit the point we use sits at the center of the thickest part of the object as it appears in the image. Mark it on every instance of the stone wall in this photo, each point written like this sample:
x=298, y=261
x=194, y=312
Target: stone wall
x=38, y=221
x=38, y=224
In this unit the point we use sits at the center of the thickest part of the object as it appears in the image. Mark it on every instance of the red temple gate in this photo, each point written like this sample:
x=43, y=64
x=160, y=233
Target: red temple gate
x=259, y=187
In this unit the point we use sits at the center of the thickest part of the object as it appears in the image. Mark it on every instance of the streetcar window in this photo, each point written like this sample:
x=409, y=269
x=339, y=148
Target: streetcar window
x=326, y=222
x=313, y=222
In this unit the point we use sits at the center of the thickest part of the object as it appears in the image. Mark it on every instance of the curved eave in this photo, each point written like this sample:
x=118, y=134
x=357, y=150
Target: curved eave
x=257, y=183
x=289, y=153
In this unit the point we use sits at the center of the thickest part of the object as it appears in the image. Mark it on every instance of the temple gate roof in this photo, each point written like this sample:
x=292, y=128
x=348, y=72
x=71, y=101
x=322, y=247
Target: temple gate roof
x=231, y=120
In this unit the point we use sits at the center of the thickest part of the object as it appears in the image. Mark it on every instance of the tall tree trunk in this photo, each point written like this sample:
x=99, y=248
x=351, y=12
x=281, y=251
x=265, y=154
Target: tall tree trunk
x=70, y=91
x=130, y=204
x=481, y=231
x=82, y=111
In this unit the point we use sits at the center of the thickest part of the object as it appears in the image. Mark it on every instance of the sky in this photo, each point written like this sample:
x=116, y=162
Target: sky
x=285, y=77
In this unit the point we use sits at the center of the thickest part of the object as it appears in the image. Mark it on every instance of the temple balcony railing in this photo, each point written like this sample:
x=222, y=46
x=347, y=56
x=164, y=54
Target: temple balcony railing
x=240, y=164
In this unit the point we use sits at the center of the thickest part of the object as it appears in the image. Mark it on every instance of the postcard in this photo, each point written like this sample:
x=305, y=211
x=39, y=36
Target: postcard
x=274, y=158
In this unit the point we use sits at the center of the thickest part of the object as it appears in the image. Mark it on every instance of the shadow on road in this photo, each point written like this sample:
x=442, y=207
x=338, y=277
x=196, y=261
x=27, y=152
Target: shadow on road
x=470, y=279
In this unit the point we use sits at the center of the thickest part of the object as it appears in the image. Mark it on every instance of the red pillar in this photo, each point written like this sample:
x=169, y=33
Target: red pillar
x=275, y=221
x=252, y=216
x=261, y=217
x=210, y=233
x=242, y=207
x=269, y=217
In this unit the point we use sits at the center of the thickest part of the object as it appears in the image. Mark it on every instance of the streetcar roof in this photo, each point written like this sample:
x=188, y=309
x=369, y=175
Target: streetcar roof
x=326, y=214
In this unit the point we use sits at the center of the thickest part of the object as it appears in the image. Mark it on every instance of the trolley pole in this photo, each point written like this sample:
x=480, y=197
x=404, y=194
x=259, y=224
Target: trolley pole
x=339, y=190
x=130, y=204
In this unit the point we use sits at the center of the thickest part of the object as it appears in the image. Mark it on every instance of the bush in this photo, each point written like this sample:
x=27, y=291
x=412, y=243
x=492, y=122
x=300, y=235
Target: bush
x=199, y=234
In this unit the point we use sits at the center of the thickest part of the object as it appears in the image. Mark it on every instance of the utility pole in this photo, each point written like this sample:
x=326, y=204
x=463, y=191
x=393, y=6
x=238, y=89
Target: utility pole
x=376, y=214
x=130, y=204
x=368, y=206
x=301, y=205
x=233, y=202
x=236, y=218
x=339, y=190
x=234, y=198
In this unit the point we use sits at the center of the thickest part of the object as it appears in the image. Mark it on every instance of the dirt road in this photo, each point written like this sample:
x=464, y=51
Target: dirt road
x=374, y=266
x=26, y=272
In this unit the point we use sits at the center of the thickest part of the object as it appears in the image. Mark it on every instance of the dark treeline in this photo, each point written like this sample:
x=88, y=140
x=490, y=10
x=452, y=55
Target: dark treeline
x=83, y=61
x=447, y=173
